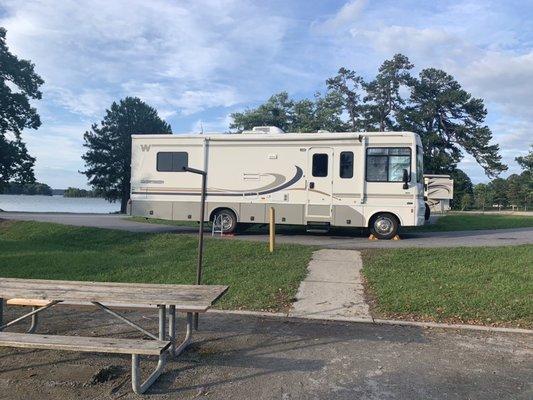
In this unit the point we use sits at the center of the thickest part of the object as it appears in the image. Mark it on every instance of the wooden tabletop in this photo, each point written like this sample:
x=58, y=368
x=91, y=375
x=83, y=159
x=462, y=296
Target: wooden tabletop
x=197, y=298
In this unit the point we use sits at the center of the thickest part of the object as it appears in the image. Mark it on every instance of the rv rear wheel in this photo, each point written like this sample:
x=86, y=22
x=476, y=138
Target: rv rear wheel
x=384, y=226
x=227, y=219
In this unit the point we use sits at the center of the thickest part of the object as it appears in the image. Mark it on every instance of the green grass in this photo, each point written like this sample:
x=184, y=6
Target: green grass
x=258, y=280
x=488, y=285
x=467, y=222
x=163, y=221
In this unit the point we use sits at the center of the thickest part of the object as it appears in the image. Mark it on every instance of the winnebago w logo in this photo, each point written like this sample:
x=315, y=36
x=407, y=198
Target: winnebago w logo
x=145, y=147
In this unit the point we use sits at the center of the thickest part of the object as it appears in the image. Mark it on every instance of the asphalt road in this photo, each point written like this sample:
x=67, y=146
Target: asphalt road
x=243, y=357
x=354, y=239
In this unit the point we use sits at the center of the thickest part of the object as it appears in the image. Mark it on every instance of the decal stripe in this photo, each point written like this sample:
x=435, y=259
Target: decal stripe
x=295, y=178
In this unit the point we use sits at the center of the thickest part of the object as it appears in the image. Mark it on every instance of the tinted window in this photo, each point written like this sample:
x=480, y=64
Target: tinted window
x=320, y=165
x=386, y=164
x=172, y=161
x=419, y=163
x=376, y=168
x=346, y=164
x=396, y=166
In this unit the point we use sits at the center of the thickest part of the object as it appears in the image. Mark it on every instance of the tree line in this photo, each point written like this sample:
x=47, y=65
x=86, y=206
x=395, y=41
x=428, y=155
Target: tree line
x=449, y=120
x=76, y=192
x=33, y=188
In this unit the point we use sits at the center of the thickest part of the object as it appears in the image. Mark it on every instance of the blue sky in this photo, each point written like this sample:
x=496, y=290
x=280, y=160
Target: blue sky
x=199, y=61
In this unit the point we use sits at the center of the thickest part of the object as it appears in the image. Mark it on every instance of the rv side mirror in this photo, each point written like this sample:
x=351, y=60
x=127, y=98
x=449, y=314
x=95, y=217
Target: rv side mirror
x=405, y=179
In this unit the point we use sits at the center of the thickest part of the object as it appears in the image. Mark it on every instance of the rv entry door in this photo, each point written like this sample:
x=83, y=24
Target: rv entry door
x=319, y=183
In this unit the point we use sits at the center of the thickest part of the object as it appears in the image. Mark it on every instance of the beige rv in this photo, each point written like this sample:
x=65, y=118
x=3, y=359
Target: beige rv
x=323, y=179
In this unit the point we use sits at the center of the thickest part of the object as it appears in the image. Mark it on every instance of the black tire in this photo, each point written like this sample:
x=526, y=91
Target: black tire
x=384, y=226
x=229, y=220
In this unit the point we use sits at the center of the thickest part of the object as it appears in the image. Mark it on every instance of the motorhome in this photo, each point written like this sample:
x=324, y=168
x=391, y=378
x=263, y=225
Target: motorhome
x=320, y=180
x=438, y=190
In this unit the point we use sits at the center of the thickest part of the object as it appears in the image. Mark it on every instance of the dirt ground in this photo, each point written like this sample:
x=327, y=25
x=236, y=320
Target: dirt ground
x=243, y=357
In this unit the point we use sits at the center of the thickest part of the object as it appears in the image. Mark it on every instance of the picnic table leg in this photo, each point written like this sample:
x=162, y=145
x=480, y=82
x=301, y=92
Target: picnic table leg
x=175, y=349
x=34, y=321
x=162, y=321
x=135, y=360
x=172, y=328
x=188, y=335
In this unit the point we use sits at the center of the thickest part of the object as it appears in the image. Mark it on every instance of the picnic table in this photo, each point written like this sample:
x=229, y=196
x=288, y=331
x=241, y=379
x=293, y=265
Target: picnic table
x=41, y=295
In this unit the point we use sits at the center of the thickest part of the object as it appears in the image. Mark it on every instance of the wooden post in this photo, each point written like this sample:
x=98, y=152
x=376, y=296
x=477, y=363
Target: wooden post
x=272, y=229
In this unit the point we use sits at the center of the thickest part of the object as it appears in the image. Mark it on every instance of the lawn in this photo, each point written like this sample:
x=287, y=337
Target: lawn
x=468, y=222
x=488, y=285
x=258, y=280
x=165, y=221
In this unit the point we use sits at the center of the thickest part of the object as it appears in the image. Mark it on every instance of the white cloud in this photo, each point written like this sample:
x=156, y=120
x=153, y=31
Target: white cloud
x=86, y=102
x=503, y=78
x=186, y=101
x=87, y=51
x=218, y=125
x=345, y=17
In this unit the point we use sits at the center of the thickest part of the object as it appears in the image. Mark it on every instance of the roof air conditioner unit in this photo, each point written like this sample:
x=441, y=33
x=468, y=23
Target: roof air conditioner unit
x=265, y=129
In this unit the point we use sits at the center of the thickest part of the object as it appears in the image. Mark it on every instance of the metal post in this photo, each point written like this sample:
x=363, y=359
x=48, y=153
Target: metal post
x=272, y=229
x=200, y=232
x=1, y=311
x=200, y=242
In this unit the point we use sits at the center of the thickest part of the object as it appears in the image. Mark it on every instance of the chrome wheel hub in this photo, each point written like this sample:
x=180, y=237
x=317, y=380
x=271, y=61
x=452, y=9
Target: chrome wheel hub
x=383, y=226
x=226, y=222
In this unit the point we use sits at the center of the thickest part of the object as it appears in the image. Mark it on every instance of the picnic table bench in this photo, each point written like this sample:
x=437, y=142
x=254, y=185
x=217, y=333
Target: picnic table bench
x=41, y=295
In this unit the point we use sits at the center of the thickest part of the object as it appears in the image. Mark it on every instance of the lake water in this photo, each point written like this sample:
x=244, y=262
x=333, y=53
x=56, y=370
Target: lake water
x=57, y=204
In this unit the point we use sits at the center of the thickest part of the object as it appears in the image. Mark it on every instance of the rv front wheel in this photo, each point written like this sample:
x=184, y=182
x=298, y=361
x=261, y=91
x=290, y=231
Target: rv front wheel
x=227, y=220
x=384, y=226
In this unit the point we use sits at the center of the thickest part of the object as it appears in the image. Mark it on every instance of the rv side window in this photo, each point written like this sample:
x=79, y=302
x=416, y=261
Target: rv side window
x=386, y=164
x=320, y=165
x=419, y=164
x=346, y=164
x=171, y=161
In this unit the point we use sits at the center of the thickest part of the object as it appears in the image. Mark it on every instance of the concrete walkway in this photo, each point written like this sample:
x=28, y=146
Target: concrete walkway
x=333, y=287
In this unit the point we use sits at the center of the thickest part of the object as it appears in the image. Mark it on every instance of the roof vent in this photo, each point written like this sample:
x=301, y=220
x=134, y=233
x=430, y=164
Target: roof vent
x=265, y=129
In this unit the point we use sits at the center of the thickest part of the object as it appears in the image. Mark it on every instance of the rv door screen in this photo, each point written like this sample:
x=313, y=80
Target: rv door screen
x=319, y=183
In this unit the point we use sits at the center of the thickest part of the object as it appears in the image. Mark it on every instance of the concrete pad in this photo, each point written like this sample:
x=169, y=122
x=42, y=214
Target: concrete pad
x=331, y=271
x=333, y=287
x=335, y=255
x=327, y=300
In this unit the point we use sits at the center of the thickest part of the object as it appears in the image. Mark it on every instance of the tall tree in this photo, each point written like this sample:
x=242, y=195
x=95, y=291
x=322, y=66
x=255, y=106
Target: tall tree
x=499, y=189
x=108, y=157
x=328, y=112
x=383, y=99
x=322, y=112
x=526, y=162
x=482, y=196
x=277, y=111
x=462, y=186
x=449, y=119
x=349, y=87
x=18, y=84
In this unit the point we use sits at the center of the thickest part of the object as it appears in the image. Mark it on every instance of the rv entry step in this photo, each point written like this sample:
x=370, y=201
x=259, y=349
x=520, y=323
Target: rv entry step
x=317, y=227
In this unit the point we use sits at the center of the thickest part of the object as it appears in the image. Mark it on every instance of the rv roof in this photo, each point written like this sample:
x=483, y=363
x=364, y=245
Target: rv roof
x=284, y=136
